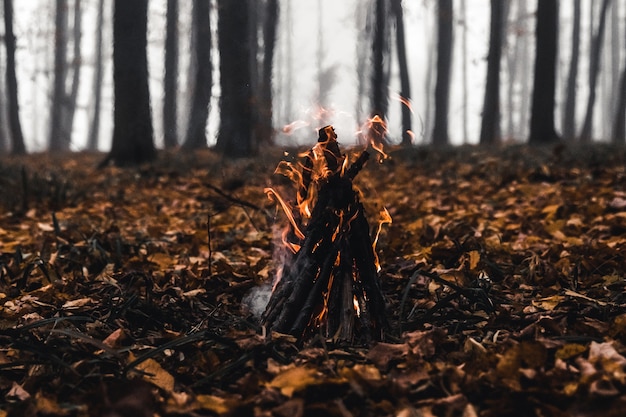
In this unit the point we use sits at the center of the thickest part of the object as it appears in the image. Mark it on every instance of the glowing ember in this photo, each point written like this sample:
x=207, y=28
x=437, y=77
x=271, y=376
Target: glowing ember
x=385, y=218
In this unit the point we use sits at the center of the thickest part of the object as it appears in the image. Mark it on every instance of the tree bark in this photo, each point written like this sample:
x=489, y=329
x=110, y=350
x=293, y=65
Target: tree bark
x=94, y=127
x=17, y=139
x=542, y=113
x=59, y=141
x=265, y=109
x=133, y=141
x=70, y=100
x=569, y=114
x=444, y=64
x=405, y=83
x=235, y=137
x=594, y=69
x=490, y=126
x=196, y=130
x=170, y=81
x=380, y=51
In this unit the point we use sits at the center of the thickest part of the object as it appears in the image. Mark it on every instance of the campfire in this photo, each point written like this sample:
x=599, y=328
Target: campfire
x=329, y=286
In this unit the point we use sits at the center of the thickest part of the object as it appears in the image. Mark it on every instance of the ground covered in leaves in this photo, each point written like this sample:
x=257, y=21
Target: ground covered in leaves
x=504, y=275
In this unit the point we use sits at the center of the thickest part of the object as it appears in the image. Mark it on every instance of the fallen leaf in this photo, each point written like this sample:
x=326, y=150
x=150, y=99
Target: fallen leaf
x=295, y=379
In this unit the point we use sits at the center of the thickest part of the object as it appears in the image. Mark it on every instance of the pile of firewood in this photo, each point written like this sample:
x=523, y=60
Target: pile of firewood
x=330, y=286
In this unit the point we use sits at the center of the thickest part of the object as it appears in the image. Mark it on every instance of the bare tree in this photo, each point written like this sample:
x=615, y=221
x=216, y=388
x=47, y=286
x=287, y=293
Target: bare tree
x=542, y=114
x=17, y=139
x=444, y=66
x=235, y=137
x=569, y=114
x=71, y=98
x=196, y=129
x=490, y=126
x=170, y=81
x=594, y=69
x=619, y=121
x=94, y=127
x=59, y=139
x=380, y=52
x=405, y=83
x=133, y=140
x=265, y=108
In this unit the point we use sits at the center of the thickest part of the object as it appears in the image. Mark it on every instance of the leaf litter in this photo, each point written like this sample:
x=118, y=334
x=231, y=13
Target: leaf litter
x=504, y=274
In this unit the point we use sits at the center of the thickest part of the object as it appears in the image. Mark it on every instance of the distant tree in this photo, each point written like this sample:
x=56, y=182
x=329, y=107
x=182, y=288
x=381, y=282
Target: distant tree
x=196, y=129
x=490, y=125
x=619, y=120
x=17, y=139
x=170, y=82
x=76, y=66
x=569, y=114
x=594, y=69
x=380, y=59
x=235, y=137
x=265, y=108
x=133, y=141
x=94, y=126
x=403, y=68
x=542, y=113
x=444, y=65
x=59, y=140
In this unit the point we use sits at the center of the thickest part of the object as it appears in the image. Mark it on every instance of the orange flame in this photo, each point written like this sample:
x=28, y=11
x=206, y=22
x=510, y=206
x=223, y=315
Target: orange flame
x=374, y=131
x=385, y=218
x=406, y=102
x=271, y=192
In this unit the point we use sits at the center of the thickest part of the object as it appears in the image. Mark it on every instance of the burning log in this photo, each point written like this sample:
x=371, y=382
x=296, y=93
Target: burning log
x=331, y=284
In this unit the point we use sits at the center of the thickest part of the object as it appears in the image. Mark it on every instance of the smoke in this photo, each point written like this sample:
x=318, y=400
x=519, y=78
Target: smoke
x=257, y=298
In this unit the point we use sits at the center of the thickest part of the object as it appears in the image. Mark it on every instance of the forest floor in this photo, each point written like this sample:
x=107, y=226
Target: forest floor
x=122, y=290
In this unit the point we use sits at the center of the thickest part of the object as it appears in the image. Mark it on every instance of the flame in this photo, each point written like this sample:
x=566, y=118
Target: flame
x=374, y=131
x=289, y=128
x=357, y=308
x=411, y=134
x=406, y=102
x=271, y=192
x=385, y=218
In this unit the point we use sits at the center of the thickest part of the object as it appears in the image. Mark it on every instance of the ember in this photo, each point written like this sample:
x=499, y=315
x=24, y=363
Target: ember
x=331, y=284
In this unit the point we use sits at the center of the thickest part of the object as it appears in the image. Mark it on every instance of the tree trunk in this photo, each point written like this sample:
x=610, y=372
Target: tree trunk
x=196, y=130
x=619, y=122
x=265, y=109
x=594, y=68
x=170, y=81
x=17, y=139
x=569, y=114
x=133, y=141
x=94, y=128
x=380, y=51
x=444, y=64
x=542, y=113
x=405, y=83
x=70, y=100
x=235, y=136
x=59, y=141
x=490, y=127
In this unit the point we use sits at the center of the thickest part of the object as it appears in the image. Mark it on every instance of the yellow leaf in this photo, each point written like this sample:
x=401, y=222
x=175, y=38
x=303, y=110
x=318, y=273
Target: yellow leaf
x=294, y=379
x=153, y=372
x=213, y=403
x=570, y=350
x=474, y=258
x=548, y=303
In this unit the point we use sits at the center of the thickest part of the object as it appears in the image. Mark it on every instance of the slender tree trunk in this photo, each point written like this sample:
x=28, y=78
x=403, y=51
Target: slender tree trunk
x=170, y=135
x=596, y=48
x=465, y=87
x=405, y=83
x=17, y=139
x=235, y=138
x=569, y=114
x=59, y=141
x=5, y=144
x=490, y=127
x=619, y=121
x=542, y=114
x=525, y=72
x=444, y=65
x=133, y=137
x=196, y=130
x=266, y=110
x=71, y=100
x=380, y=96
x=94, y=127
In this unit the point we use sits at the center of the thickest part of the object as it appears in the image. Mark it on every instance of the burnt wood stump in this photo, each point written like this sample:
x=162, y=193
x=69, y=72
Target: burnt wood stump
x=331, y=284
